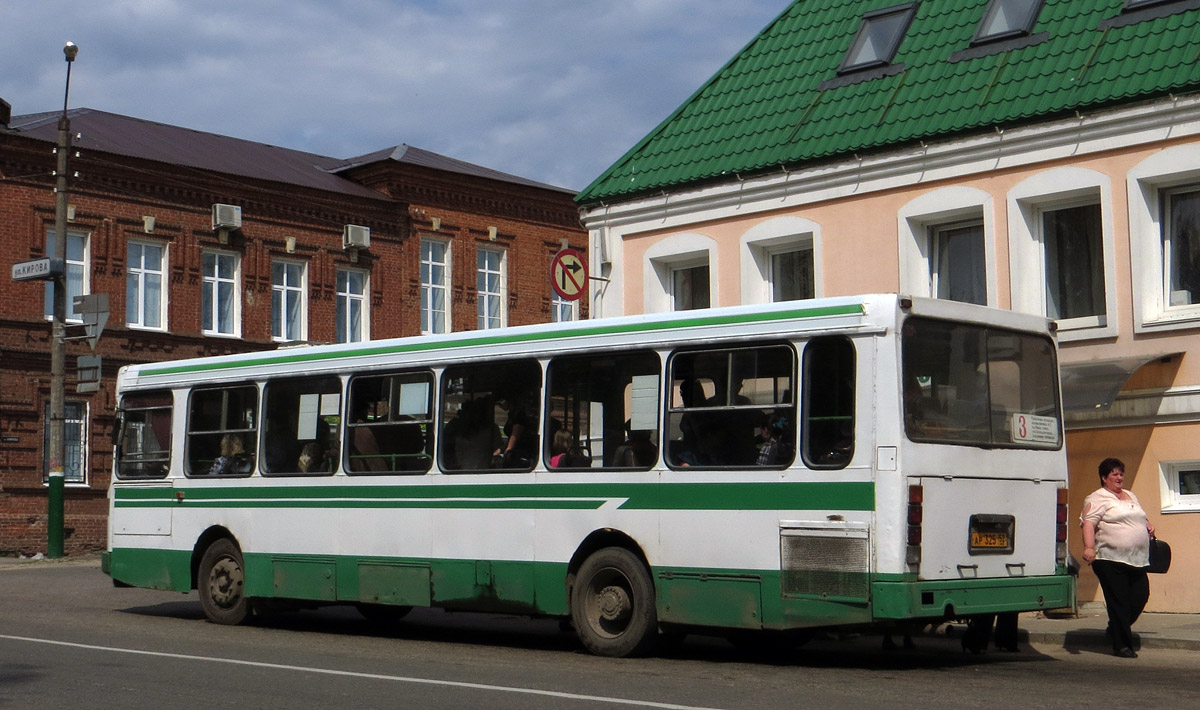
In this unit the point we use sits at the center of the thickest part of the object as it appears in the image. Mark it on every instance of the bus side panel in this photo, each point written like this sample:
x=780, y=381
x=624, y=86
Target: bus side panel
x=152, y=568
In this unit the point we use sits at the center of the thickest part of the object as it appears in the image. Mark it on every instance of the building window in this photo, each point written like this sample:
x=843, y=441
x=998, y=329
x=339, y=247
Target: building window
x=563, y=310
x=1182, y=486
x=1007, y=18
x=435, y=268
x=1061, y=247
x=690, y=287
x=74, y=443
x=287, y=301
x=76, y=272
x=1181, y=246
x=792, y=275
x=958, y=263
x=878, y=38
x=1074, y=262
x=351, y=306
x=145, y=299
x=219, y=312
x=491, y=284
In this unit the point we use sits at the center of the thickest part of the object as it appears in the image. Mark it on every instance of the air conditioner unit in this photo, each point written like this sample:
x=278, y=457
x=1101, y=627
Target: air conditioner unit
x=356, y=237
x=226, y=217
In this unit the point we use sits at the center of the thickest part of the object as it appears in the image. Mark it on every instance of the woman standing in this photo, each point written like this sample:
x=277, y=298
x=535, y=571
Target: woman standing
x=1116, y=543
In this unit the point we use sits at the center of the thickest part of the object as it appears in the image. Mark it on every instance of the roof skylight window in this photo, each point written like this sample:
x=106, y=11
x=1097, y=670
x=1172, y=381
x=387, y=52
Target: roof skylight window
x=1007, y=18
x=878, y=38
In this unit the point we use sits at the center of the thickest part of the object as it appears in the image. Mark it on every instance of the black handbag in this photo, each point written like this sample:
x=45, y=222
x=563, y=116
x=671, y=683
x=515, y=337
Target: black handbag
x=1160, y=557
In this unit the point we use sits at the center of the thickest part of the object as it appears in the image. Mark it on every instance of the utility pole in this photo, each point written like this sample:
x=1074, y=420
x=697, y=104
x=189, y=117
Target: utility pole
x=58, y=343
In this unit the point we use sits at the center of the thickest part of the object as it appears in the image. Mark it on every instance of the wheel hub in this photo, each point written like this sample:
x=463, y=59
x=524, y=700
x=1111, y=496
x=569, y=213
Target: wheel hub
x=614, y=604
x=225, y=583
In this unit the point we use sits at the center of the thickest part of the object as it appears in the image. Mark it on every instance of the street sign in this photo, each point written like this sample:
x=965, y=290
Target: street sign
x=93, y=308
x=568, y=274
x=37, y=270
x=88, y=376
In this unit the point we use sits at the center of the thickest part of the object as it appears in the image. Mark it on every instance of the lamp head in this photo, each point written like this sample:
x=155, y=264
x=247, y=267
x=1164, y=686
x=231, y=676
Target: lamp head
x=70, y=49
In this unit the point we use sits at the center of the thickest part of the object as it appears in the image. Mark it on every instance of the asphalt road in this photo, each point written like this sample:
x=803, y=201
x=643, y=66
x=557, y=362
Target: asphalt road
x=68, y=639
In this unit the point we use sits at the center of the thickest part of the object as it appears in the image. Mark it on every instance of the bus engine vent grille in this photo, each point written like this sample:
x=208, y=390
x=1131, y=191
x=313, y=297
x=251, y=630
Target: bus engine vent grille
x=829, y=563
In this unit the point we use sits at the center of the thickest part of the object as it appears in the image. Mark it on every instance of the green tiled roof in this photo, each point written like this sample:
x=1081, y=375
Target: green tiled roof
x=766, y=108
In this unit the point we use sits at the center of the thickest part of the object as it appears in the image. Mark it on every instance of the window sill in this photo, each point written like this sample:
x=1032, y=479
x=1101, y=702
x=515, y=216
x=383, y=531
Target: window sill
x=1071, y=332
x=1188, y=507
x=1183, y=320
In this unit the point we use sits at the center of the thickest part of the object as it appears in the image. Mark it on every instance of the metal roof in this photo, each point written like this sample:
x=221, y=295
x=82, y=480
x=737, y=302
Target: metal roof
x=410, y=155
x=174, y=145
x=781, y=103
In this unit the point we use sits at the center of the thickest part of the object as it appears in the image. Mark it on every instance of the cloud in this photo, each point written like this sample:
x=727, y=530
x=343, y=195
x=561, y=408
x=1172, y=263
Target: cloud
x=547, y=89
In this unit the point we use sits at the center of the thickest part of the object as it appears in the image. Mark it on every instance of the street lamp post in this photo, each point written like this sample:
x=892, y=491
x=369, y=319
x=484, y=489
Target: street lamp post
x=58, y=343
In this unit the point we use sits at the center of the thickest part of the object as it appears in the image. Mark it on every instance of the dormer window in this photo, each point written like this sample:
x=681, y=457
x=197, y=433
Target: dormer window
x=1008, y=18
x=878, y=38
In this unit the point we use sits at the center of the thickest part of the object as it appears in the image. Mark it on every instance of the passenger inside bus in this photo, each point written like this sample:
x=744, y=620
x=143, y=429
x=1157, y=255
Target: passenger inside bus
x=472, y=437
x=567, y=452
x=364, y=446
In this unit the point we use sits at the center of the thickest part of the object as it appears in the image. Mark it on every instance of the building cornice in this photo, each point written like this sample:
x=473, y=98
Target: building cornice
x=999, y=149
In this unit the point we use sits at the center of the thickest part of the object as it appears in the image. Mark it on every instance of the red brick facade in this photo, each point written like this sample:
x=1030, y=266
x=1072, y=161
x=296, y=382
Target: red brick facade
x=110, y=201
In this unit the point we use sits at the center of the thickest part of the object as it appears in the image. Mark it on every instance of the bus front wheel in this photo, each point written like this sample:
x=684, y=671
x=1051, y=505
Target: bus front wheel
x=612, y=604
x=222, y=582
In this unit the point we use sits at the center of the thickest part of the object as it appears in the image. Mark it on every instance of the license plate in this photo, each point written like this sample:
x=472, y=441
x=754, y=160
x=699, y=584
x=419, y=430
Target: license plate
x=985, y=539
x=991, y=534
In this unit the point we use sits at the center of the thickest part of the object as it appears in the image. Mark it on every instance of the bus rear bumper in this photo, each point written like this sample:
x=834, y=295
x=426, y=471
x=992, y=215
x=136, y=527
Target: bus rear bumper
x=940, y=599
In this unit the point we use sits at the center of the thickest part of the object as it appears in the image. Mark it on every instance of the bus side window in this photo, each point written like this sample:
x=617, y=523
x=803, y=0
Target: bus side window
x=828, y=402
x=389, y=427
x=144, y=435
x=302, y=425
x=732, y=408
x=490, y=414
x=222, y=431
x=602, y=411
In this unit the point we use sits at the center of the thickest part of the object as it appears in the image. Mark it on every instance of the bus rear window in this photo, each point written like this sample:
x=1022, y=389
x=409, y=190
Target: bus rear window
x=144, y=435
x=973, y=385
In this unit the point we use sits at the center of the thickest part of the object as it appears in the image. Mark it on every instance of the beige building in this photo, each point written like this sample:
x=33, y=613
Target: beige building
x=1046, y=162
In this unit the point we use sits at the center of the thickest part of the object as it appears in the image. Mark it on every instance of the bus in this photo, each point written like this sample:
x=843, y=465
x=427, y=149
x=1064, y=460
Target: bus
x=755, y=471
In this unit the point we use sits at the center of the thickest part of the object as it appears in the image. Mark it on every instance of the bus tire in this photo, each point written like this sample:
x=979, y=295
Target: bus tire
x=613, y=605
x=221, y=583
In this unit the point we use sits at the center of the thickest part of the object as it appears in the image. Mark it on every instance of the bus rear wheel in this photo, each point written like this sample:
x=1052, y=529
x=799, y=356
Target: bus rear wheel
x=221, y=583
x=612, y=604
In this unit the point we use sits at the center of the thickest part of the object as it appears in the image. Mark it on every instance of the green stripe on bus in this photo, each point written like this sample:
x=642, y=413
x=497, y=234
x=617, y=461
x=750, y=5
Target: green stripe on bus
x=555, y=496
x=414, y=346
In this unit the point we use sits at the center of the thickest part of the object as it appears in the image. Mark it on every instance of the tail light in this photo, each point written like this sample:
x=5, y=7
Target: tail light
x=916, y=515
x=1060, y=526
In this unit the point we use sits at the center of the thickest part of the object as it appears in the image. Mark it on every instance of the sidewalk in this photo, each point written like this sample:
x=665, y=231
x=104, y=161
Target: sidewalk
x=1085, y=630
x=1175, y=631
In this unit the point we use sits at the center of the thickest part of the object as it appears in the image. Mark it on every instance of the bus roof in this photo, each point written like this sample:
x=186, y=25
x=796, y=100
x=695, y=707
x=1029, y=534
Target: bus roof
x=874, y=311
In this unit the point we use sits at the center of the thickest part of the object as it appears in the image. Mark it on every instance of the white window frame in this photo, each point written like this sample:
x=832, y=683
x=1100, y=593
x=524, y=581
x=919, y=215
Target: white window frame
x=141, y=275
x=1170, y=168
x=80, y=424
x=210, y=285
x=346, y=298
x=762, y=242
x=663, y=259
x=1173, y=499
x=563, y=310
x=1059, y=188
x=483, y=320
x=80, y=264
x=428, y=288
x=916, y=222
x=279, y=291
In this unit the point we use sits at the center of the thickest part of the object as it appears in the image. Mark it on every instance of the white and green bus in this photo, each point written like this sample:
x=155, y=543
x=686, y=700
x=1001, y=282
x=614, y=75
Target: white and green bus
x=779, y=468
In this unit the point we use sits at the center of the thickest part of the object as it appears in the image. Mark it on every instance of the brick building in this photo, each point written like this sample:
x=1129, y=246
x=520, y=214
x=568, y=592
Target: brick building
x=207, y=245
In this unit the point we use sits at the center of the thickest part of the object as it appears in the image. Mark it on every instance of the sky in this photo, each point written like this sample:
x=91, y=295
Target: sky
x=551, y=90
